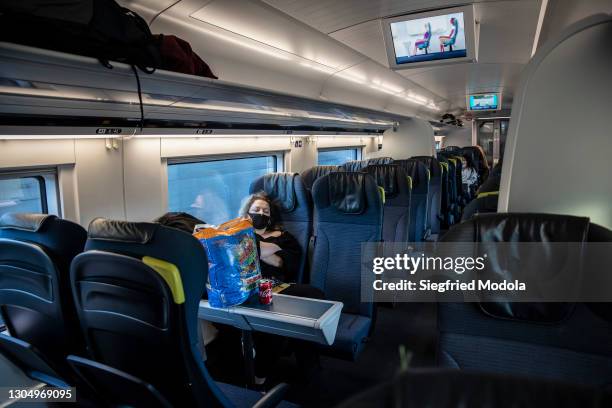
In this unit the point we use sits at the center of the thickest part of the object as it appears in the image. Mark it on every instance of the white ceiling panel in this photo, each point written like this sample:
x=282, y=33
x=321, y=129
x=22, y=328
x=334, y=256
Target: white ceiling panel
x=507, y=30
x=453, y=82
x=367, y=38
x=266, y=25
x=329, y=16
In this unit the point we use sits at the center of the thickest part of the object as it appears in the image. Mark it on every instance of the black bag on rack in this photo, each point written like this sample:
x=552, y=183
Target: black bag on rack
x=96, y=28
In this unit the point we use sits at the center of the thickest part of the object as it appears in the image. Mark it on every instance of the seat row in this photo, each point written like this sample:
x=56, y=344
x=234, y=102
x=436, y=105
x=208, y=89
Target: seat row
x=332, y=210
x=112, y=311
x=423, y=195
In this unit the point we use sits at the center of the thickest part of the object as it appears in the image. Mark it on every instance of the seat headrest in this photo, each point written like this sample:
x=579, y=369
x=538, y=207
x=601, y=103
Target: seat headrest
x=530, y=227
x=25, y=221
x=354, y=165
x=417, y=171
x=431, y=163
x=121, y=231
x=491, y=184
x=312, y=174
x=281, y=188
x=537, y=229
x=347, y=192
x=379, y=160
x=388, y=177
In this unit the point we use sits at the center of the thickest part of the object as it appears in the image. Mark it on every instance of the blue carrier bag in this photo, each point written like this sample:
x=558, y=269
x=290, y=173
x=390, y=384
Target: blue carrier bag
x=233, y=262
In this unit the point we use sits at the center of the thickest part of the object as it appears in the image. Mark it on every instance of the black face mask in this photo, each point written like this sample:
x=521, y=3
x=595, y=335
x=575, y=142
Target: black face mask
x=260, y=221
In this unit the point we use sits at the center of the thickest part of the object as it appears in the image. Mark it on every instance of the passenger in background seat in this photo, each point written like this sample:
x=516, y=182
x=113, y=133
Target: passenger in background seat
x=279, y=253
x=469, y=175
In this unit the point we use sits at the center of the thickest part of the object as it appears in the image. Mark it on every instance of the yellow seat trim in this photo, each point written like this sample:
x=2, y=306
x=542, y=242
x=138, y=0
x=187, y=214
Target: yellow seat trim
x=487, y=194
x=409, y=182
x=170, y=273
x=382, y=194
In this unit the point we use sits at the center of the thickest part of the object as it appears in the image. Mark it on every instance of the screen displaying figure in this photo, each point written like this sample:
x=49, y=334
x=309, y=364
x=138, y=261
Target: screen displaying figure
x=484, y=102
x=429, y=38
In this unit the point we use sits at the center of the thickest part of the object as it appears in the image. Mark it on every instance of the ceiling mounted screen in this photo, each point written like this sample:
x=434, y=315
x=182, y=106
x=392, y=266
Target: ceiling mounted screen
x=484, y=102
x=434, y=37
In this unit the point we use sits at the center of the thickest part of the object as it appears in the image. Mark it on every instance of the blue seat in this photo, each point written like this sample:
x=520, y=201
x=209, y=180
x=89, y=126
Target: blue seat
x=379, y=160
x=118, y=388
x=450, y=202
x=347, y=212
x=360, y=165
x=419, y=175
x=434, y=198
x=137, y=289
x=33, y=364
x=312, y=174
x=398, y=188
x=354, y=165
x=35, y=296
x=560, y=341
x=289, y=192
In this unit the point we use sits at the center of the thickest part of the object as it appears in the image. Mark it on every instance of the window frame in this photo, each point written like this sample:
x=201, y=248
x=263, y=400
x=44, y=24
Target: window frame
x=358, y=150
x=279, y=157
x=37, y=174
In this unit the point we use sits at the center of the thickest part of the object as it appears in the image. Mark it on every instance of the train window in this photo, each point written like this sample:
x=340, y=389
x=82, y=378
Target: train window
x=34, y=192
x=331, y=157
x=213, y=190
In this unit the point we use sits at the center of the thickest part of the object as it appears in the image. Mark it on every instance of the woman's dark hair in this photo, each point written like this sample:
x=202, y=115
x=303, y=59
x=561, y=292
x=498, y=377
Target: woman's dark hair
x=274, y=209
x=179, y=220
x=469, y=162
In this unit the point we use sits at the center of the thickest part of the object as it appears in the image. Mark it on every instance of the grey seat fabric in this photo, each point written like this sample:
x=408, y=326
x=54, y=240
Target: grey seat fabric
x=398, y=188
x=434, y=197
x=562, y=341
x=419, y=175
x=347, y=211
x=35, y=296
x=312, y=174
x=445, y=388
x=292, y=198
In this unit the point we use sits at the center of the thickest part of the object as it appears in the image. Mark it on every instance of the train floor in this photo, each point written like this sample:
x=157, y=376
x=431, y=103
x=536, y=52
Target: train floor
x=412, y=325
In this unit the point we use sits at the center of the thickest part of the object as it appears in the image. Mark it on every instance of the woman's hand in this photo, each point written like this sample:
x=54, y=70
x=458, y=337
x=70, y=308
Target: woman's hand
x=273, y=260
x=267, y=249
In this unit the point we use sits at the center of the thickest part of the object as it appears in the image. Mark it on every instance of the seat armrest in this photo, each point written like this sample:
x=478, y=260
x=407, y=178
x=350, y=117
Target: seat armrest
x=273, y=397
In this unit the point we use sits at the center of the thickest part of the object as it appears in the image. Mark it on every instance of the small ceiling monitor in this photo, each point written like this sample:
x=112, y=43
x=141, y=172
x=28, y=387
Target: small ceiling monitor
x=430, y=38
x=484, y=102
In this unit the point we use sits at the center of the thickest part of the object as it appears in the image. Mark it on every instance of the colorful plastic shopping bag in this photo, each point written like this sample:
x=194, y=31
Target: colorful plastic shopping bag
x=233, y=262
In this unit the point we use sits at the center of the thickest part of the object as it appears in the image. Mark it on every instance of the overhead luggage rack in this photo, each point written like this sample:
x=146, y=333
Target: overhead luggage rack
x=51, y=88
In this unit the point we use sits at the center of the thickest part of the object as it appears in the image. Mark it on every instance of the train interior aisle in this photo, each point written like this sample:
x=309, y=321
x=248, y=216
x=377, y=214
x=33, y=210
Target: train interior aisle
x=234, y=203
